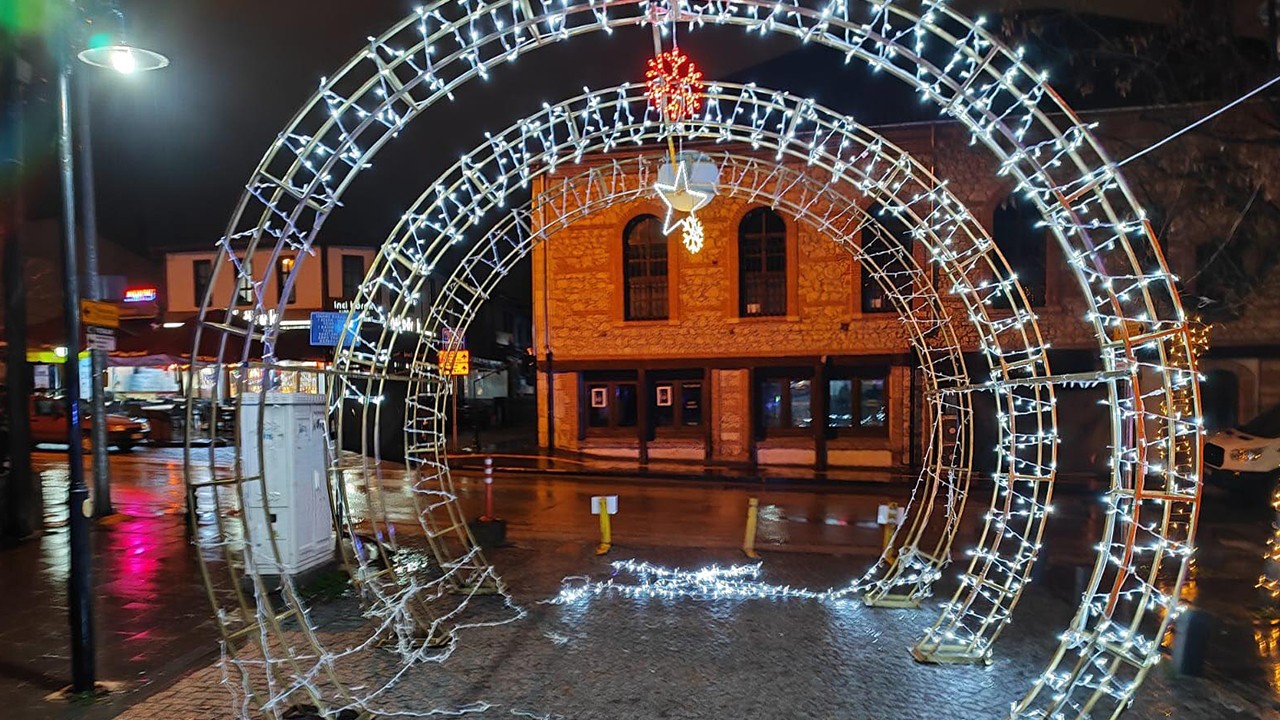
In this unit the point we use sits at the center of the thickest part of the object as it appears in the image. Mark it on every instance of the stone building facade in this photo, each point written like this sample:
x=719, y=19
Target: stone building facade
x=823, y=379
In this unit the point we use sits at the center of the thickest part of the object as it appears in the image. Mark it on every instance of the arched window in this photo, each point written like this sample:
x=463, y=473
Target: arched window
x=644, y=266
x=762, y=263
x=885, y=228
x=1022, y=244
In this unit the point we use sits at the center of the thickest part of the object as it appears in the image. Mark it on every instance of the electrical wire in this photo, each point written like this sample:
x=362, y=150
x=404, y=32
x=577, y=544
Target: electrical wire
x=1234, y=103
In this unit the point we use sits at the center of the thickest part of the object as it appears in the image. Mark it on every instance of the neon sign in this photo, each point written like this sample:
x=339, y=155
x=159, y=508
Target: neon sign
x=138, y=295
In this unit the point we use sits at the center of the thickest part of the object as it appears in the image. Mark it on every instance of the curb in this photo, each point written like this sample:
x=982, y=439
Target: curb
x=728, y=476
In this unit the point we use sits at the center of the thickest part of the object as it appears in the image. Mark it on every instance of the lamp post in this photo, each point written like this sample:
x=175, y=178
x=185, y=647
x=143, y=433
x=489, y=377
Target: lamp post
x=125, y=60
x=79, y=586
x=93, y=291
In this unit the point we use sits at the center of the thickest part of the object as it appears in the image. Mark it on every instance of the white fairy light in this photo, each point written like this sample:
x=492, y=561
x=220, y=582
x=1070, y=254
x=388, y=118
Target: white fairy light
x=713, y=582
x=693, y=234
x=1053, y=159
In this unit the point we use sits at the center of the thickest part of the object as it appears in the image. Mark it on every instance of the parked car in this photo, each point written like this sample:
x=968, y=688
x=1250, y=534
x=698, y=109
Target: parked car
x=1247, y=457
x=49, y=424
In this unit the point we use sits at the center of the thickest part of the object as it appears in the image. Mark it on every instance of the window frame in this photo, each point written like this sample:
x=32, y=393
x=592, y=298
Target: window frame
x=858, y=376
x=660, y=293
x=786, y=378
x=245, y=295
x=201, y=282
x=359, y=277
x=1014, y=254
x=611, y=389
x=748, y=280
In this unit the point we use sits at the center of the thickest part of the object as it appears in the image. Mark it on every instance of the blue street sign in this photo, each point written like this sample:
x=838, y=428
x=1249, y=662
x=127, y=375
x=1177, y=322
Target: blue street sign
x=327, y=328
x=448, y=336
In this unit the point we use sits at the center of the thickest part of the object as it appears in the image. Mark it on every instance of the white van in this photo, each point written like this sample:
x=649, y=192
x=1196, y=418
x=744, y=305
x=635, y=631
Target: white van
x=1247, y=457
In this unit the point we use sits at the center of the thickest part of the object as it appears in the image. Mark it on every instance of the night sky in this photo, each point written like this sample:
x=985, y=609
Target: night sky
x=173, y=148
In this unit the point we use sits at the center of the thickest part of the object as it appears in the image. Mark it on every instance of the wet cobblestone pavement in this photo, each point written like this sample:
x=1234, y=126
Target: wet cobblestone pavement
x=614, y=657
x=151, y=613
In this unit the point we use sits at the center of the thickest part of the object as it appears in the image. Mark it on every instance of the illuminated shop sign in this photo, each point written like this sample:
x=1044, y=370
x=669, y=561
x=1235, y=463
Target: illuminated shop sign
x=138, y=295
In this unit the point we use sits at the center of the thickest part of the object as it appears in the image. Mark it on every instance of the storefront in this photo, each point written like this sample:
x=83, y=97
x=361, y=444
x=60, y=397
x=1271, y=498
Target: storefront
x=847, y=412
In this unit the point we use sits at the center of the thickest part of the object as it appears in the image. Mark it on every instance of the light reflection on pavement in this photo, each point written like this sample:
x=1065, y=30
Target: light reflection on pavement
x=151, y=605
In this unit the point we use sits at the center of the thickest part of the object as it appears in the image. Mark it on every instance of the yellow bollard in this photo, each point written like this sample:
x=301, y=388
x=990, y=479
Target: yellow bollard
x=889, y=529
x=749, y=538
x=606, y=534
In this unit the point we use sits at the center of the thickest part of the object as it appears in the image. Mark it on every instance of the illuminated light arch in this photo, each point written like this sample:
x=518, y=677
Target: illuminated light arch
x=927, y=321
x=1137, y=318
x=459, y=202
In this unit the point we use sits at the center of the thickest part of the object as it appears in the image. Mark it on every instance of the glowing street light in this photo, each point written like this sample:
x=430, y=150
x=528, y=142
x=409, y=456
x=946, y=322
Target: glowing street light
x=124, y=59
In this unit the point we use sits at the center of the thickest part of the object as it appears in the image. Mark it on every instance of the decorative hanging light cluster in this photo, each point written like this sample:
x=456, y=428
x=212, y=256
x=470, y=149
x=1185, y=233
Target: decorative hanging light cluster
x=674, y=85
x=674, y=88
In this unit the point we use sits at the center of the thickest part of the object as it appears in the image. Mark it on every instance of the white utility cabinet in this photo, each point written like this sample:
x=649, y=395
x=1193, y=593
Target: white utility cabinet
x=293, y=439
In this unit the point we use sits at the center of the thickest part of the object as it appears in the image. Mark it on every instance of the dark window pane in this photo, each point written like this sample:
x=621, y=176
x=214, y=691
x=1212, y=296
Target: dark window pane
x=801, y=414
x=871, y=407
x=202, y=272
x=840, y=409
x=1016, y=231
x=771, y=404
x=762, y=263
x=352, y=275
x=887, y=247
x=283, y=271
x=691, y=404
x=645, y=269
x=598, y=405
x=625, y=408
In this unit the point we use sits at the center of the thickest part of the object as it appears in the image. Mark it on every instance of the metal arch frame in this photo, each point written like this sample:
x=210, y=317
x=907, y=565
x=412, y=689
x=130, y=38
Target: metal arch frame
x=1137, y=318
x=400, y=265
x=463, y=196
x=600, y=186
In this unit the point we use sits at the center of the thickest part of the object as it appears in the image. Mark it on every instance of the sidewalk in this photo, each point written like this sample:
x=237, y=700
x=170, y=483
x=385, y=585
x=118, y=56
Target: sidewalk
x=152, y=618
x=531, y=461
x=565, y=463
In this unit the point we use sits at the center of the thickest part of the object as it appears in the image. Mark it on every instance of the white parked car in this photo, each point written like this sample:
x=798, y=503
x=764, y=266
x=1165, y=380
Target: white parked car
x=1246, y=457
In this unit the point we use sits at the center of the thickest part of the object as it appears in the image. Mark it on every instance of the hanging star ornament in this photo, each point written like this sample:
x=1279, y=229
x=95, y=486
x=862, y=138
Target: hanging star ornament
x=679, y=190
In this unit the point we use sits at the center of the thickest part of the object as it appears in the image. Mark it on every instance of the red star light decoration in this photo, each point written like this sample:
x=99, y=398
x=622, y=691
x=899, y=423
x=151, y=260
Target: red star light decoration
x=674, y=85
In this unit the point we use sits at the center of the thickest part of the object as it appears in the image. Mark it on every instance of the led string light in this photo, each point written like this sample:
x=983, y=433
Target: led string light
x=713, y=582
x=674, y=85
x=568, y=199
x=1269, y=580
x=1061, y=170
x=466, y=289
x=674, y=88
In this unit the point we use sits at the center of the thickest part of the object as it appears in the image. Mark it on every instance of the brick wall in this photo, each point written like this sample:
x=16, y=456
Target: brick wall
x=584, y=299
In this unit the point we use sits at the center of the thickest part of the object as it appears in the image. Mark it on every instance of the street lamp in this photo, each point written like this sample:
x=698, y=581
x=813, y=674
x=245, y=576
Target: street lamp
x=120, y=55
x=125, y=59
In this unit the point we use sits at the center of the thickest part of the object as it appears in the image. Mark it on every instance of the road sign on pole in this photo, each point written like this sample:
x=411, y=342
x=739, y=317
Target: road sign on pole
x=96, y=313
x=452, y=338
x=604, y=506
x=455, y=363
x=97, y=338
x=328, y=328
x=610, y=503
